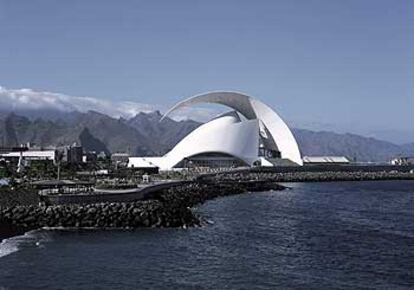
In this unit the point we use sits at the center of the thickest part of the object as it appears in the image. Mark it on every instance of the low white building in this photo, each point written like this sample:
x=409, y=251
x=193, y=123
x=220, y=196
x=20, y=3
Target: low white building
x=32, y=155
x=325, y=160
x=402, y=161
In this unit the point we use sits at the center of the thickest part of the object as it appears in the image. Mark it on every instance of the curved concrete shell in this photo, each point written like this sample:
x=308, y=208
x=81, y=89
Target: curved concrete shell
x=226, y=135
x=223, y=135
x=275, y=131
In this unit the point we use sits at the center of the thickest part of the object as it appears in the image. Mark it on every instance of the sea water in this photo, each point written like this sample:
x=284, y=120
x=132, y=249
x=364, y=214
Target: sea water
x=339, y=235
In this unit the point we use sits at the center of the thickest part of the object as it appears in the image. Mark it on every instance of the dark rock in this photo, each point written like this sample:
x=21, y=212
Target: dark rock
x=169, y=208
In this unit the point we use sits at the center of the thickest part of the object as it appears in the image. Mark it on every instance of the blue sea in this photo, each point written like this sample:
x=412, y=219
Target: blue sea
x=339, y=235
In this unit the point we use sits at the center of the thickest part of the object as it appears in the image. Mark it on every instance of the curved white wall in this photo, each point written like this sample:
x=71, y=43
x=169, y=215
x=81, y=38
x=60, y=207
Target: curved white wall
x=252, y=109
x=283, y=137
x=224, y=135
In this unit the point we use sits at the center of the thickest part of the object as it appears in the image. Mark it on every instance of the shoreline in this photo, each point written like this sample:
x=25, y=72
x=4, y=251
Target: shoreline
x=305, y=176
x=170, y=207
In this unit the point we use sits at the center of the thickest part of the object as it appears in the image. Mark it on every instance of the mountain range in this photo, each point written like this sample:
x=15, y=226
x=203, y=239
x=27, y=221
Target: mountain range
x=144, y=134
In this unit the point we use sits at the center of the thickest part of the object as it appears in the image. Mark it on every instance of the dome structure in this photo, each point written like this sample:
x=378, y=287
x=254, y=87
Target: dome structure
x=252, y=133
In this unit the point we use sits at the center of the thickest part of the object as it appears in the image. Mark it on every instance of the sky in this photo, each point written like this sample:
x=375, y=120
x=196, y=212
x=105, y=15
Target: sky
x=341, y=65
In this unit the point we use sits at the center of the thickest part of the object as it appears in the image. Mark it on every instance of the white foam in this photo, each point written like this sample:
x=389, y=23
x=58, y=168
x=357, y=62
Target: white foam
x=13, y=244
x=8, y=247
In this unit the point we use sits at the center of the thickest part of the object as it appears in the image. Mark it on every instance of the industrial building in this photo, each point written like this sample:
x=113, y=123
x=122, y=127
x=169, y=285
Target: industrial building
x=31, y=155
x=325, y=160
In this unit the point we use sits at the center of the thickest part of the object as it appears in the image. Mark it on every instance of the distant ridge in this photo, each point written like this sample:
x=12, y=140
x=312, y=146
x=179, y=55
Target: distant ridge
x=353, y=146
x=144, y=134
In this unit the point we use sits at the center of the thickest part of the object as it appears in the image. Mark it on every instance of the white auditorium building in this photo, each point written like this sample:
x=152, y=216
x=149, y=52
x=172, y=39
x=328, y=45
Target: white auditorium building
x=251, y=134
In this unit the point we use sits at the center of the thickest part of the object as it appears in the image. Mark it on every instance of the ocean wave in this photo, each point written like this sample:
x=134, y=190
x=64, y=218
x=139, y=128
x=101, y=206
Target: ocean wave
x=7, y=247
x=31, y=238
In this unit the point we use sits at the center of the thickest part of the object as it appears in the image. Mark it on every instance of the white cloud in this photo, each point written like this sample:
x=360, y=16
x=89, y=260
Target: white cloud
x=28, y=99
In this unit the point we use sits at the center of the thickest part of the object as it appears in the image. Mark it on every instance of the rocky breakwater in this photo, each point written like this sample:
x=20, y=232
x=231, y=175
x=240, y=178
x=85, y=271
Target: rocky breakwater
x=18, y=196
x=101, y=215
x=309, y=176
x=205, y=189
x=167, y=208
